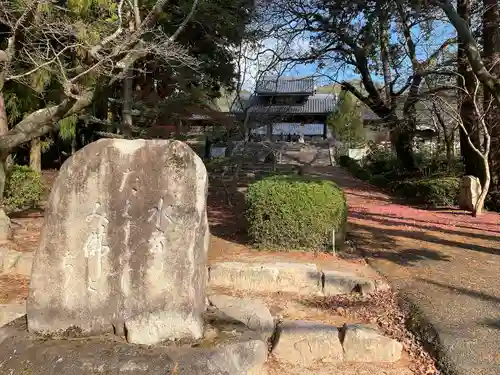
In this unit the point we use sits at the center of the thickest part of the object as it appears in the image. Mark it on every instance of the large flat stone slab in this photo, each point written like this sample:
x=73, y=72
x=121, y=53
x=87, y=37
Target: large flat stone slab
x=364, y=343
x=270, y=277
x=254, y=314
x=336, y=282
x=303, y=343
x=124, y=244
x=23, y=353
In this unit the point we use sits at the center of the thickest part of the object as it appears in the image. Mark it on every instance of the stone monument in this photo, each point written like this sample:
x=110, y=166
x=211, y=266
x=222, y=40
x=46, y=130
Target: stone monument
x=124, y=244
x=470, y=190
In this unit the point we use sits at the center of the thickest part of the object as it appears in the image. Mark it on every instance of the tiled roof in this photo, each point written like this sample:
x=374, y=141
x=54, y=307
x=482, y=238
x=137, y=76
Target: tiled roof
x=319, y=103
x=285, y=85
x=423, y=117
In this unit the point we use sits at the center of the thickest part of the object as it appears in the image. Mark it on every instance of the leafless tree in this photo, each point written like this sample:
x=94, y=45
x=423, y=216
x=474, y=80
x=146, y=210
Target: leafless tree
x=82, y=56
x=350, y=34
x=256, y=59
x=471, y=48
x=484, y=148
x=445, y=126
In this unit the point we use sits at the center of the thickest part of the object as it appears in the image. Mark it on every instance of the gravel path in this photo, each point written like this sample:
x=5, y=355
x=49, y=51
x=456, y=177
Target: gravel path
x=445, y=261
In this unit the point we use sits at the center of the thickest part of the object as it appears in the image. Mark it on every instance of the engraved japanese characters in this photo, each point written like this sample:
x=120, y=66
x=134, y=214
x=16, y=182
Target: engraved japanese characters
x=124, y=244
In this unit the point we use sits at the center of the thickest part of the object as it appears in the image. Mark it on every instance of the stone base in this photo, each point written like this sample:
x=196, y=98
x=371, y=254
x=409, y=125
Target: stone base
x=11, y=311
x=24, y=353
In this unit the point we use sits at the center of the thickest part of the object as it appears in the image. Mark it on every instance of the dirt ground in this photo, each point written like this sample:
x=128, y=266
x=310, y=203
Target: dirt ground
x=228, y=243
x=444, y=260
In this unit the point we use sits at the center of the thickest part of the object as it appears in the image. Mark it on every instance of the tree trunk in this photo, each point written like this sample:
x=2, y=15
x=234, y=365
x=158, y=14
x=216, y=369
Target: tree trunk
x=384, y=52
x=449, y=140
x=465, y=103
x=36, y=155
x=4, y=129
x=74, y=145
x=478, y=209
x=491, y=53
x=403, y=144
x=128, y=86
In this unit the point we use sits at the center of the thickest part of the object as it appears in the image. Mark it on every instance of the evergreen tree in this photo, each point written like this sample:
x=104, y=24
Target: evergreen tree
x=346, y=122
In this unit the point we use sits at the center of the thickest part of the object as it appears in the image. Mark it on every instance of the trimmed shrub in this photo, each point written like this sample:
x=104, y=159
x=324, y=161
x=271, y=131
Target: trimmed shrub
x=359, y=172
x=294, y=212
x=23, y=188
x=492, y=202
x=354, y=168
x=380, y=180
x=436, y=191
x=344, y=160
x=381, y=162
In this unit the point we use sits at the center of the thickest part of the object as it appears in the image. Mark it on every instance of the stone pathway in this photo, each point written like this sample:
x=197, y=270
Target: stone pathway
x=306, y=334
x=446, y=262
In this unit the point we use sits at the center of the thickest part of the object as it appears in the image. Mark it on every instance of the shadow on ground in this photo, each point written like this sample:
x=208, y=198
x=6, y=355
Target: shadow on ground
x=378, y=244
x=460, y=290
x=388, y=235
x=394, y=221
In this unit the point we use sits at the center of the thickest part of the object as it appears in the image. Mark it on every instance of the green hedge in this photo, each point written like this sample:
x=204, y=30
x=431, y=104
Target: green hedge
x=294, y=212
x=435, y=191
x=380, y=180
x=493, y=201
x=354, y=168
x=23, y=188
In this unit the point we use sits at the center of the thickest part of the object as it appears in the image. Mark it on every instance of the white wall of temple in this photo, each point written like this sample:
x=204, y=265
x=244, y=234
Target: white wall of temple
x=285, y=128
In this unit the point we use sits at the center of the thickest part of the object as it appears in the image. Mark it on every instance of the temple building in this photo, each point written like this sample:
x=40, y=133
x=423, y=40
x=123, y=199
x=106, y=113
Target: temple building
x=286, y=107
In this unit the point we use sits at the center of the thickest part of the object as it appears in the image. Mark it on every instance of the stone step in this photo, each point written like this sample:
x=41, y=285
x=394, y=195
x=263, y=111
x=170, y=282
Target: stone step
x=302, y=343
x=304, y=279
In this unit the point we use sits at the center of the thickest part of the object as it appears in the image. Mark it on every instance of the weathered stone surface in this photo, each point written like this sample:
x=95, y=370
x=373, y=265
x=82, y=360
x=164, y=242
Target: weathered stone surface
x=5, y=226
x=254, y=314
x=124, y=244
x=274, y=277
x=345, y=283
x=15, y=262
x=470, y=190
x=302, y=343
x=243, y=358
x=363, y=343
x=11, y=311
x=23, y=354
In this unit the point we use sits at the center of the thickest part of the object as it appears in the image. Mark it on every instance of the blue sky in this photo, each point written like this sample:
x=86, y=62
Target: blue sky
x=440, y=32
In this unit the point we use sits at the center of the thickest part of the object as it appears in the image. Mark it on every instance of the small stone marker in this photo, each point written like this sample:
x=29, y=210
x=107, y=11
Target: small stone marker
x=302, y=343
x=470, y=190
x=363, y=343
x=124, y=244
